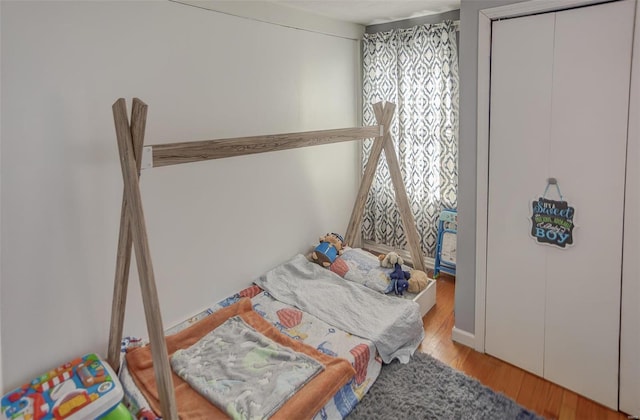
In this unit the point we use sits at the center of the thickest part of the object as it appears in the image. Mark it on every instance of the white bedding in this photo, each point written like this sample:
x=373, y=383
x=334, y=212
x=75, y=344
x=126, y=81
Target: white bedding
x=396, y=330
x=296, y=324
x=325, y=336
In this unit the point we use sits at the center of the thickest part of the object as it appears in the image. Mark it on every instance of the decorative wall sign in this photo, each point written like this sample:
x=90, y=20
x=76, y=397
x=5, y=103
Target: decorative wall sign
x=552, y=220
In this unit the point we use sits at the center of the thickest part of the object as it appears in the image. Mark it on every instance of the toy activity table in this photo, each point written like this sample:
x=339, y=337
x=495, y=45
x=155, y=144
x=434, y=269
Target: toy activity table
x=85, y=388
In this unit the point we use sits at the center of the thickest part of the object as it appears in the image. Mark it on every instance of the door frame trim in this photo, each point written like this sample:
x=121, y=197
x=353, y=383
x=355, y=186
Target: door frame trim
x=485, y=18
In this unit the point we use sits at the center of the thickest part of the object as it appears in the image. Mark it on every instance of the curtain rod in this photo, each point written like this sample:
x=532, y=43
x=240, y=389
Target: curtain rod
x=433, y=19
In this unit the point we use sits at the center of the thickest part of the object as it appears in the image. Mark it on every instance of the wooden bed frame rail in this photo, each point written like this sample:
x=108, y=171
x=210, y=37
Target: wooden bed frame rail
x=130, y=137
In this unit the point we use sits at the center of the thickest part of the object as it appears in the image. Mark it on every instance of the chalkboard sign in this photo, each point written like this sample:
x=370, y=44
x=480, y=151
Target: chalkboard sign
x=552, y=222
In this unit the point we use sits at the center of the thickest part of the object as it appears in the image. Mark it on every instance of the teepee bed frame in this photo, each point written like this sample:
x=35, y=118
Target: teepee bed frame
x=130, y=138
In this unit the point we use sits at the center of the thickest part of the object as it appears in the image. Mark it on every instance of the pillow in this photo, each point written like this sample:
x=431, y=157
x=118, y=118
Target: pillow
x=362, y=267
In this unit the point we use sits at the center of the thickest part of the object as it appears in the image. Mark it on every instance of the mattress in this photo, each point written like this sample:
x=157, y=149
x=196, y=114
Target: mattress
x=299, y=325
x=355, y=266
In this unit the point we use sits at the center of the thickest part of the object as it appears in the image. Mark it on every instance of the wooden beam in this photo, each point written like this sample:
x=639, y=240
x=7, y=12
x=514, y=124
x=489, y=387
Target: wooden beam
x=159, y=354
x=384, y=114
x=410, y=230
x=185, y=152
x=123, y=258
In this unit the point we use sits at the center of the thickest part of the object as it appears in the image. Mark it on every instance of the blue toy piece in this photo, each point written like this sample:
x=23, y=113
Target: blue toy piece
x=446, y=244
x=399, y=280
x=327, y=250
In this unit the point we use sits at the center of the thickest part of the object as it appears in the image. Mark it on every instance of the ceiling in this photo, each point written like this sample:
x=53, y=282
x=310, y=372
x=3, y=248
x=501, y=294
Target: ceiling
x=372, y=12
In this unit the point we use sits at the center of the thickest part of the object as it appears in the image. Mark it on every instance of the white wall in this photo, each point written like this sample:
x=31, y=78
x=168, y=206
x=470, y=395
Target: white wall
x=213, y=226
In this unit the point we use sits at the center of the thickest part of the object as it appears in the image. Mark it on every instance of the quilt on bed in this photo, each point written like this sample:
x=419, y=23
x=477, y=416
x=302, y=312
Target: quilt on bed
x=296, y=324
x=313, y=331
x=193, y=405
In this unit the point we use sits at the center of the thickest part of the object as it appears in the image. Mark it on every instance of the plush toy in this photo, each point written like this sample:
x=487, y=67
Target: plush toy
x=389, y=260
x=418, y=281
x=399, y=281
x=331, y=245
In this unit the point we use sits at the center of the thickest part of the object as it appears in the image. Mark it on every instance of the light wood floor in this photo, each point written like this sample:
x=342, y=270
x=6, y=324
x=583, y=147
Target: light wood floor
x=530, y=391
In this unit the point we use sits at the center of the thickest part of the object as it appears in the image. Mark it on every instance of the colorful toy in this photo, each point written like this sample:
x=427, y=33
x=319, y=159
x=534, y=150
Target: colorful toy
x=331, y=245
x=85, y=388
x=399, y=281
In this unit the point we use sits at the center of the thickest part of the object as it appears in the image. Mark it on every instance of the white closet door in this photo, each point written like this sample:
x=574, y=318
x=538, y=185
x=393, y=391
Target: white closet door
x=559, y=108
x=630, y=319
x=521, y=82
x=588, y=151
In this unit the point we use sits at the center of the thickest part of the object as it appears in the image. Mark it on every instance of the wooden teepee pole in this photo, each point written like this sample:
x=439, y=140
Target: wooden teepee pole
x=123, y=259
x=384, y=115
x=408, y=222
x=138, y=230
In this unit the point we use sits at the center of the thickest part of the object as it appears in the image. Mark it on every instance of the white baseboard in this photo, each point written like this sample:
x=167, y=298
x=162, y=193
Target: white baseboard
x=463, y=337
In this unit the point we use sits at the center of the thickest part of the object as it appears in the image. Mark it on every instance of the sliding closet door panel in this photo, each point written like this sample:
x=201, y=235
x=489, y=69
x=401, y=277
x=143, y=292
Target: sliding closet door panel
x=521, y=74
x=587, y=156
x=630, y=319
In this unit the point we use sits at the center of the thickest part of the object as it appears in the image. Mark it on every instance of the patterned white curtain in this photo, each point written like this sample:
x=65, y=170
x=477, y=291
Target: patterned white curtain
x=417, y=69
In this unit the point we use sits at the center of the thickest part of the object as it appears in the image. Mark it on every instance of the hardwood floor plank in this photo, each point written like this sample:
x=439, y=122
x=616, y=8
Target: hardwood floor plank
x=588, y=409
x=527, y=394
x=548, y=397
x=509, y=380
x=553, y=401
x=459, y=361
x=568, y=406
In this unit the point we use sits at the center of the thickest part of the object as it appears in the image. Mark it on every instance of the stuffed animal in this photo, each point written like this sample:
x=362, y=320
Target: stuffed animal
x=389, y=260
x=399, y=281
x=331, y=245
x=418, y=281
